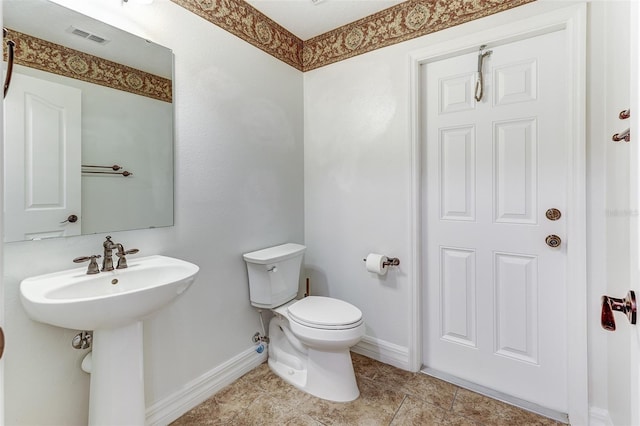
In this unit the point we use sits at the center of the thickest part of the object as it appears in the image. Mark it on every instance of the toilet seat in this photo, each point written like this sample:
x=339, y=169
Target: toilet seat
x=325, y=313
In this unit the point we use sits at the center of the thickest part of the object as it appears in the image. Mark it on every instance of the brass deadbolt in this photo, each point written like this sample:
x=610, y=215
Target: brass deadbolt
x=553, y=241
x=553, y=214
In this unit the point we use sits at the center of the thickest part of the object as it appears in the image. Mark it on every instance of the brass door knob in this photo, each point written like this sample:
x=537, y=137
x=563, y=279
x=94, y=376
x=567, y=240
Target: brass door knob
x=553, y=241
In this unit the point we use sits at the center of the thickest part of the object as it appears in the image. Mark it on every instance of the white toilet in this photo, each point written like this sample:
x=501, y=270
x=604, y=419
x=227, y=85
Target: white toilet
x=309, y=338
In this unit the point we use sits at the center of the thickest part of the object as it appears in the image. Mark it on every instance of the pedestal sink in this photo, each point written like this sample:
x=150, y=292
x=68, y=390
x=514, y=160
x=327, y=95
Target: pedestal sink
x=113, y=305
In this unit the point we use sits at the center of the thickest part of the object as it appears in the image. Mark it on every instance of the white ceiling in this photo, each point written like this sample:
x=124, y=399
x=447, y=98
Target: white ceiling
x=306, y=19
x=50, y=21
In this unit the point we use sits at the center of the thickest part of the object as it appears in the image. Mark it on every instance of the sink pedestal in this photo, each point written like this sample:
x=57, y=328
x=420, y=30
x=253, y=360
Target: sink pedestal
x=117, y=377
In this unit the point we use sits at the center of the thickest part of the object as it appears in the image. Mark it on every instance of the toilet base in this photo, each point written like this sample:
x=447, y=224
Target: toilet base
x=326, y=374
x=329, y=377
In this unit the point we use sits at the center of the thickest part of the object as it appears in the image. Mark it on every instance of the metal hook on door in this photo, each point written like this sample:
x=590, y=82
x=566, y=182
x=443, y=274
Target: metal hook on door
x=625, y=135
x=624, y=114
x=479, y=92
x=10, y=46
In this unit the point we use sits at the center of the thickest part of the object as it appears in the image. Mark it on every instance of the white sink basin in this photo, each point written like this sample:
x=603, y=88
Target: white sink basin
x=72, y=299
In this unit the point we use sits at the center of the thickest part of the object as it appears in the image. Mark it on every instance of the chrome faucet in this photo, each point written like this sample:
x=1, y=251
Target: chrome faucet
x=107, y=260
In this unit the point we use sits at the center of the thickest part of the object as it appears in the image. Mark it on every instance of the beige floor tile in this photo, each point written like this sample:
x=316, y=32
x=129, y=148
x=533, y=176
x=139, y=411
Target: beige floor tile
x=302, y=420
x=253, y=377
x=375, y=406
x=222, y=407
x=388, y=396
x=266, y=410
x=364, y=366
x=415, y=412
x=431, y=390
x=281, y=390
x=492, y=412
x=456, y=420
x=385, y=374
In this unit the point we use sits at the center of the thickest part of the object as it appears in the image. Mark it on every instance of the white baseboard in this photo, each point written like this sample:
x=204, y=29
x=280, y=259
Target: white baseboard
x=200, y=389
x=383, y=351
x=599, y=417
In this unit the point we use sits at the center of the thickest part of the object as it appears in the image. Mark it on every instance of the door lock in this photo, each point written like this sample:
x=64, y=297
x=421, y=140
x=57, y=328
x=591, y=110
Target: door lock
x=553, y=241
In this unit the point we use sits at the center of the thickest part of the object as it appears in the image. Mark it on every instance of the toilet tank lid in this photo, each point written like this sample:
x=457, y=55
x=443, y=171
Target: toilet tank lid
x=274, y=254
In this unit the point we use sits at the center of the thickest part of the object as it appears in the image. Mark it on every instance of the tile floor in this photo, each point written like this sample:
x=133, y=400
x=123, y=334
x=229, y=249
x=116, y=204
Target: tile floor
x=388, y=396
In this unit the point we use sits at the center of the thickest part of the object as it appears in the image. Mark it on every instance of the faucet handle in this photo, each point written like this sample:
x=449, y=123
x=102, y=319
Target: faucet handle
x=93, y=265
x=122, y=260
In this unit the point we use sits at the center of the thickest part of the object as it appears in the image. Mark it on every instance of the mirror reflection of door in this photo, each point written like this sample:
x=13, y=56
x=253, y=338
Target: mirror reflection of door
x=127, y=113
x=42, y=159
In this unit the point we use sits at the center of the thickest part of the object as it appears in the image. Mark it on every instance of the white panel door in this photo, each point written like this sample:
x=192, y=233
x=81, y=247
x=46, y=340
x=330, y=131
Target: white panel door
x=494, y=289
x=42, y=159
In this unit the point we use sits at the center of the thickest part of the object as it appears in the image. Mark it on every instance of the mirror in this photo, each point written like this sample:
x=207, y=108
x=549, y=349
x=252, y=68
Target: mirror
x=88, y=126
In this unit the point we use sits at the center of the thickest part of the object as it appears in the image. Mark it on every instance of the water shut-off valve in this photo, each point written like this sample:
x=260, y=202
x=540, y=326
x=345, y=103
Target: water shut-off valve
x=260, y=341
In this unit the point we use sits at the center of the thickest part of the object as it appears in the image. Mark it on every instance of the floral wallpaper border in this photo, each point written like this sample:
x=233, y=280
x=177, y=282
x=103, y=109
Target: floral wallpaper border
x=46, y=56
x=407, y=20
x=243, y=20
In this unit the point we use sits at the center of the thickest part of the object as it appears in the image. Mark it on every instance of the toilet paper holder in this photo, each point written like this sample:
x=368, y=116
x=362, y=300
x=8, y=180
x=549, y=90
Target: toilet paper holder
x=391, y=261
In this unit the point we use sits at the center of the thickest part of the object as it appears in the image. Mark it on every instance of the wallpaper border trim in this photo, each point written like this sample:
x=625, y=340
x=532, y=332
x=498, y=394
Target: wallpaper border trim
x=243, y=20
x=46, y=56
x=405, y=21
x=402, y=22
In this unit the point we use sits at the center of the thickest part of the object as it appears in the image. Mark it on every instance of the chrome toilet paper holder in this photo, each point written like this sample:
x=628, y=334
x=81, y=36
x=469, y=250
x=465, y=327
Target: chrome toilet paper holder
x=391, y=261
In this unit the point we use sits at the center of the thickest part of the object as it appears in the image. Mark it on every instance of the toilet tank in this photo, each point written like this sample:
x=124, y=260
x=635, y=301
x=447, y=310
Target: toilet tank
x=274, y=274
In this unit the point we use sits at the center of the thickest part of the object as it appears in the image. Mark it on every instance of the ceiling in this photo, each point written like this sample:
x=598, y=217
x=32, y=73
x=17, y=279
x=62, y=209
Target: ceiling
x=307, y=19
x=50, y=21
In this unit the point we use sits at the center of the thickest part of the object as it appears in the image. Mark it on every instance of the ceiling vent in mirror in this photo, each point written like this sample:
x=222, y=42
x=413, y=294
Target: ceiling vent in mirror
x=86, y=34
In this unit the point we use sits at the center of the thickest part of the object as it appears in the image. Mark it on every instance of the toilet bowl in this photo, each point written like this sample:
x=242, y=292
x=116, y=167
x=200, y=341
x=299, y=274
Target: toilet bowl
x=315, y=358
x=310, y=338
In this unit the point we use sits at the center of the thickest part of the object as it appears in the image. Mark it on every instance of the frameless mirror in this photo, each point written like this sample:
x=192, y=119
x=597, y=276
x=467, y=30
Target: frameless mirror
x=88, y=126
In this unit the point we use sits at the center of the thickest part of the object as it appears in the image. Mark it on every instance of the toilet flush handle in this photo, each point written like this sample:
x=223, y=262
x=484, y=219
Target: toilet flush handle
x=272, y=268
